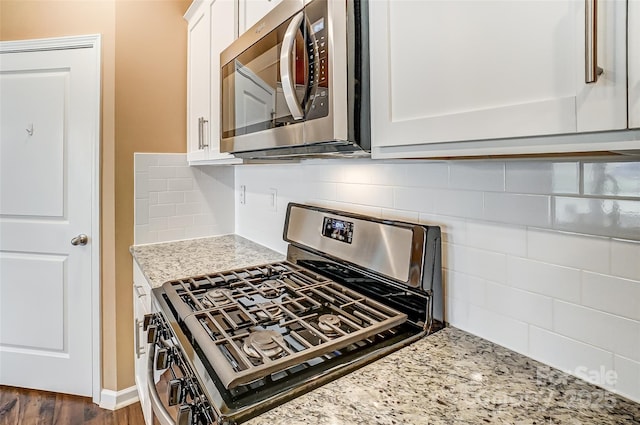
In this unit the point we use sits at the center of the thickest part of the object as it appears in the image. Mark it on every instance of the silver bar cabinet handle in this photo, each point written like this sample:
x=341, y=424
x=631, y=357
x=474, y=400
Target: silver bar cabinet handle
x=200, y=132
x=139, y=348
x=205, y=139
x=286, y=67
x=592, y=70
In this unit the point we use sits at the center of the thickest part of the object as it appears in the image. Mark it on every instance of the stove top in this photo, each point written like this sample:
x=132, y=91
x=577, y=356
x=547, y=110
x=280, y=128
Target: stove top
x=255, y=321
x=353, y=289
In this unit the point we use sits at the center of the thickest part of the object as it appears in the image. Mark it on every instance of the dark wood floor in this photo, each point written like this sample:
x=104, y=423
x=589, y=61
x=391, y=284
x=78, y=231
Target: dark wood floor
x=19, y=406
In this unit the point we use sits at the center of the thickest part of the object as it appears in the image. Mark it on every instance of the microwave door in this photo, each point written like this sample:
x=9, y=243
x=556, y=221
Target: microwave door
x=255, y=101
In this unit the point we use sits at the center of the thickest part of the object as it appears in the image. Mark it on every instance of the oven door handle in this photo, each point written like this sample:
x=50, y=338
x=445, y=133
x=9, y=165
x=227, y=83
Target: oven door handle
x=158, y=409
x=287, y=57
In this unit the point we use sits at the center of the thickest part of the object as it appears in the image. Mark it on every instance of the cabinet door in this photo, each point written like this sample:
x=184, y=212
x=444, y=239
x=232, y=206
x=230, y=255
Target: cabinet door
x=634, y=63
x=444, y=71
x=141, y=306
x=198, y=84
x=250, y=12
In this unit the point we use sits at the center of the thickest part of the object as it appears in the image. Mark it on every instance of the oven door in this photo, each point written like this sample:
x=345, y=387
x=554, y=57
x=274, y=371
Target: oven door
x=275, y=79
x=174, y=390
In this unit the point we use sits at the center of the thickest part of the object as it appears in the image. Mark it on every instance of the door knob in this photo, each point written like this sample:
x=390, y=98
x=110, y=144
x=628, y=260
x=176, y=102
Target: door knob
x=81, y=239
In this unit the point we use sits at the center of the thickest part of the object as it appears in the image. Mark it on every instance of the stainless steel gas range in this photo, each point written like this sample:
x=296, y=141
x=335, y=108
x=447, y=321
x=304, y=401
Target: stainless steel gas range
x=230, y=345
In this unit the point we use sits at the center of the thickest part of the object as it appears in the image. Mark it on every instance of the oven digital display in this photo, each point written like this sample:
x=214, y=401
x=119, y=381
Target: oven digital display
x=339, y=230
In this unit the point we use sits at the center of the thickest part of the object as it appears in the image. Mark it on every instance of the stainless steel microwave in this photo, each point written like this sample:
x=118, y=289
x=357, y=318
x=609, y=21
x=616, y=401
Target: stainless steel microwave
x=297, y=83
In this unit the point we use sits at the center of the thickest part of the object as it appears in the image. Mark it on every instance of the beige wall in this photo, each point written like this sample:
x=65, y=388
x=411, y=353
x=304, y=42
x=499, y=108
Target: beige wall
x=143, y=110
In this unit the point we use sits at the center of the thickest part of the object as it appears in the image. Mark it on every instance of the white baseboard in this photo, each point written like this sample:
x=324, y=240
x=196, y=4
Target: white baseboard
x=114, y=400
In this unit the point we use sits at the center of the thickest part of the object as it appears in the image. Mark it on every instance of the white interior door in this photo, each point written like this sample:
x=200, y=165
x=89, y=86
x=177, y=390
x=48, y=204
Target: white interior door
x=49, y=144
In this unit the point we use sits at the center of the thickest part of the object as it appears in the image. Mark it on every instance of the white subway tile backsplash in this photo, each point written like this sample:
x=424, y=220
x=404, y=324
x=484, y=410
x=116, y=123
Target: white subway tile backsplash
x=141, y=185
x=162, y=210
x=466, y=288
x=477, y=175
x=329, y=172
x=388, y=174
x=526, y=210
x=199, y=231
x=565, y=353
x=143, y=235
x=161, y=172
x=156, y=185
x=543, y=278
x=171, y=234
x=612, y=333
x=204, y=219
x=180, y=221
x=486, y=264
x=143, y=161
x=142, y=211
x=379, y=196
x=611, y=294
x=609, y=217
x=567, y=249
x=498, y=328
x=182, y=184
x=186, y=171
x=401, y=215
x=625, y=259
x=171, y=159
x=193, y=196
x=435, y=175
x=497, y=237
x=521, y=305
x=612, y=178
x=542, y=177
x=171, y=197
x=453, y=230
x=458, y=203
x=187, y=209
x=627, y=377
x=158, y=223
x=175, y=201
x=358, y=173
x=457, y=313
x=414, y=199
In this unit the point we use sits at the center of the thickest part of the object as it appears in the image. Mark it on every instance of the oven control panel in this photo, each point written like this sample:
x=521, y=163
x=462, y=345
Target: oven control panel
x=339, y=230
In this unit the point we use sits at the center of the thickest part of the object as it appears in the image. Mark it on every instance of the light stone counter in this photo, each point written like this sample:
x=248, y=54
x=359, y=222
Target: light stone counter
x=450, y=377
x=174, y=260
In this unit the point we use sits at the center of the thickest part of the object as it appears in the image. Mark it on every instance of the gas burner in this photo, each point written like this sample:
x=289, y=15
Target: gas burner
x=217, y=297
x=327, y=324
x=269, y=311
x=263, y=343
x=269, y=288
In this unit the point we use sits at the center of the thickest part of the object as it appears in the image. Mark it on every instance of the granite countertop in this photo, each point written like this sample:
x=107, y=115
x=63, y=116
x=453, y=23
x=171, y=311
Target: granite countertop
x=453, y=377
x=450, y=377
x=174, y=260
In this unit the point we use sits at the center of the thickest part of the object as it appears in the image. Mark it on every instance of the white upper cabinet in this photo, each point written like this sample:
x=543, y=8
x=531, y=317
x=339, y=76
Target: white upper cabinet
x=211, y=28
x=634, y=63
x=444, y=73
x=198, y=80
x=251, y=11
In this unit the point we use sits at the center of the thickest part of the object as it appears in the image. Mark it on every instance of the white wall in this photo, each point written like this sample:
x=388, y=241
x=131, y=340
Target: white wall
x=174, y=201
x=540, y=256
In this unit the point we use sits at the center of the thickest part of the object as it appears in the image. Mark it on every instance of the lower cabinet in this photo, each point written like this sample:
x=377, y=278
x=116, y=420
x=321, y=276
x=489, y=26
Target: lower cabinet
x=141, y=306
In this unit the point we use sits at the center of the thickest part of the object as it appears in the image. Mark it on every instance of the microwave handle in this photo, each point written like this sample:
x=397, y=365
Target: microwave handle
x=286, y=67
